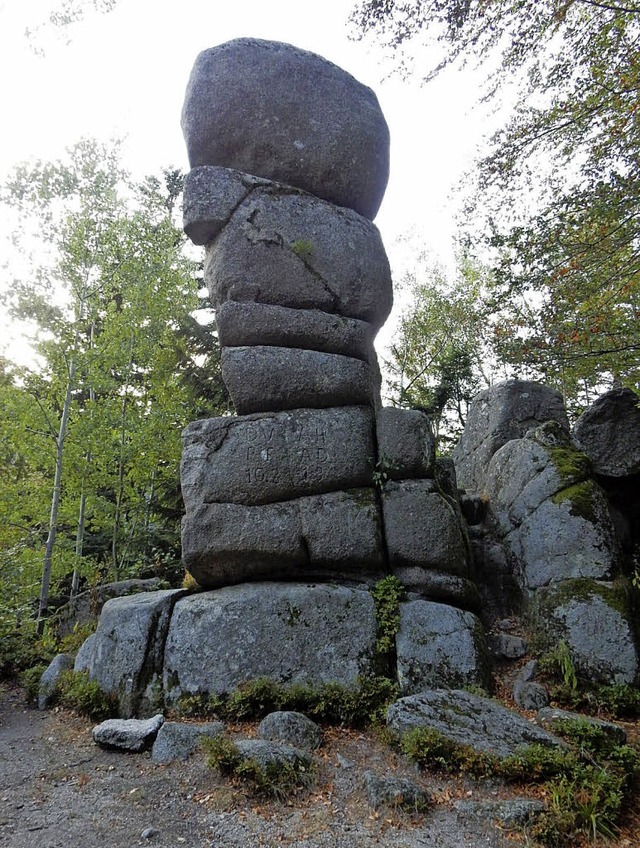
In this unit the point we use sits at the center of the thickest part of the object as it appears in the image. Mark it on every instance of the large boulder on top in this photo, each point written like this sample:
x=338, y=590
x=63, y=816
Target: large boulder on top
x=276, y=111
x=498, y=414
x=609, y=433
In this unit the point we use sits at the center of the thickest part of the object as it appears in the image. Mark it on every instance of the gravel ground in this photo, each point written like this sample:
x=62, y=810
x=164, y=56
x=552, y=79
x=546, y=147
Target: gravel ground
x=59, y=790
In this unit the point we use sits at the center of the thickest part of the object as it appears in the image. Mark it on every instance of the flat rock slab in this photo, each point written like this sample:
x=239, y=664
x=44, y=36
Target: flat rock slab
x=240, y=324
x=178, y=740
x=291, y=633
x=269, y=379
x=124, y=655
x=337, y=535
x=292, y=728
x=423, y=528
x=468, y=720
x=287, y=248
x=553, y=718
x=609, y=433
x=265, y=458
x=274, y=110
x=439, y=646
x=439, y=586
x=513, y=813
x=132, y=734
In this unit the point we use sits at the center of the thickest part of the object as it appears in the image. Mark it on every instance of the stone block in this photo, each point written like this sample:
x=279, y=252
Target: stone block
x=439, y=646
x=291, y=727
x=265, y=458
x=422, y=528
x=439, y=586
x=244, y=323
x=210, y=196
x=609, y=433
x=126, y=650
x=406, y=445
x=270, y=379
x=221, y=639
x=498, y=414
x=329, y=137
x=178, y=740
x=337, y=535
x=470, y=720
x=133, y=735
x=289, y=249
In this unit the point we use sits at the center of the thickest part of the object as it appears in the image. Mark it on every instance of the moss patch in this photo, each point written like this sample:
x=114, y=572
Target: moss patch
x=581, y=499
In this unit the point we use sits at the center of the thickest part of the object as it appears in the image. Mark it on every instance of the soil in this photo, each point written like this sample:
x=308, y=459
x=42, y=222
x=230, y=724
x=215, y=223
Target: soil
x=60, y=790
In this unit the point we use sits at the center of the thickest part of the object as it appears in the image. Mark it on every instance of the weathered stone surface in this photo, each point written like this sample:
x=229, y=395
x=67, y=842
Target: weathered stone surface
x=210, y=196
x=270, y=379
x=266, y=458
x=609, y=433
x=593, y=621
x=291, y=249
x=395, y=792
x=326, y=536
x=439, y=646
x=554, y=519
x=87, y=606
x=529, y=695
x=240, y=324
x=125, y=655
x=552, y=718
x=468, y=720
x=330, y=138
x=178, y=740
x=49, y=679
x=508, y=647
x=127, y=734
x=439, y=586
x=268, y=754
x=291, y=727
x=514, y=812
x=500, y=413
x=218, y=640
x=406, y=445
x=422, y=528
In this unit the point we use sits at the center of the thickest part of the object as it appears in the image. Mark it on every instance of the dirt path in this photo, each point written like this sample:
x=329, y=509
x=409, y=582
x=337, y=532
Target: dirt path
x=59, y=790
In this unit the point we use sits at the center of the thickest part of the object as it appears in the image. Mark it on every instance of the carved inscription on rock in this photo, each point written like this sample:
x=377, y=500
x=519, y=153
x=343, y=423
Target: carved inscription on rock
x=266, y=458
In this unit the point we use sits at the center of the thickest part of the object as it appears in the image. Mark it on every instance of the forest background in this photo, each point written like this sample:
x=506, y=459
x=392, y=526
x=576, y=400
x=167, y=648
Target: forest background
x=545, y=286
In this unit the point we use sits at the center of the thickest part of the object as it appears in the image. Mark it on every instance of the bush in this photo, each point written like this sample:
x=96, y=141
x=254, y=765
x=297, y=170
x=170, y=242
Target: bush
x=76, y=692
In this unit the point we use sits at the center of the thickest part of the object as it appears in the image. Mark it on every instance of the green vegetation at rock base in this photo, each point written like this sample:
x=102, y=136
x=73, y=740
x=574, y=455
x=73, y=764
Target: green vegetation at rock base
x=587, y=783
x=332, y=703
x=279, y=779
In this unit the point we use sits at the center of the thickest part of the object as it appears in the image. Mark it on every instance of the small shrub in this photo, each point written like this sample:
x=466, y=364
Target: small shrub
x=30, y=682
x=276, y=780
x=77, y=692
x=387, y=595
x=331, y=703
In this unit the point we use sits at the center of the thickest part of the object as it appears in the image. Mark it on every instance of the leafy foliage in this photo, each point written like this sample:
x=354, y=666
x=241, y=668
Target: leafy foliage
x=557, y=193
x=441, y=356
x=108, y=294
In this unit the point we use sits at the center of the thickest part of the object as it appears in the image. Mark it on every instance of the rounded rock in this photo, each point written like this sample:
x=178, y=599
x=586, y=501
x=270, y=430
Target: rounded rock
x=275, y=111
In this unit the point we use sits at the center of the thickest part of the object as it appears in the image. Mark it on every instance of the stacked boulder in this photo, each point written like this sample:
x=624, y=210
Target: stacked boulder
x=290, y=163
x=311, y=493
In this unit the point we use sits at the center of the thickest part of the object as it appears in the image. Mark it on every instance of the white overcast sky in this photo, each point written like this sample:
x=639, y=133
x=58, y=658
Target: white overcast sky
x=123, y=74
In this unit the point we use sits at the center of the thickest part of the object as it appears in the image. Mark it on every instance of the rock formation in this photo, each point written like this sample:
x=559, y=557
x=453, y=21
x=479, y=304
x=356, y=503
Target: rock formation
x=311, y=480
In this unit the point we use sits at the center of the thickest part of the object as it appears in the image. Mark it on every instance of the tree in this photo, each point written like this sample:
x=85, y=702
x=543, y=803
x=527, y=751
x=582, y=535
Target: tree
x=441, y=357
x=111, y=301
x=559, y=184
